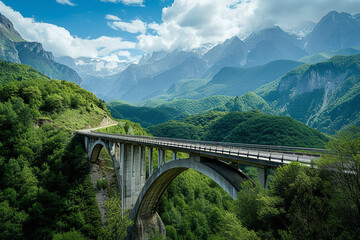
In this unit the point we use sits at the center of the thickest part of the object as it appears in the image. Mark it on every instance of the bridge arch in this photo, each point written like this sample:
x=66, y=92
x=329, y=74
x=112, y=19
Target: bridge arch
x=95, y=150
x=226, y=176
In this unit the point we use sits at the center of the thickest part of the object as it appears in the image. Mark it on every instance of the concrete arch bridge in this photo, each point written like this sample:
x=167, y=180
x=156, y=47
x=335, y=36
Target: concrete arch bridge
x=141, y=192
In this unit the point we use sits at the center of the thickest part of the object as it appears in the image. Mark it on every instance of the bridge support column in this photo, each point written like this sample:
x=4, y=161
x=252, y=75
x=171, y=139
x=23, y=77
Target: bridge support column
x=134, y=156
x=86, y=144
x=133, y=168
x=150, y=161
x=174, y=156
x=142, y=167
x=262, y=177
x=139, y=170
x=161, y=157
x=122, y=166
x=115, y=157
x=127, y=156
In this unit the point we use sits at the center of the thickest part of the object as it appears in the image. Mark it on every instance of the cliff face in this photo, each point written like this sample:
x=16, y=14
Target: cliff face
x=13, y=48
x=317, y=94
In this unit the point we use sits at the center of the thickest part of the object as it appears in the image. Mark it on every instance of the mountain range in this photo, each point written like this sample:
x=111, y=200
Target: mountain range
x=325, y=96
x=13, y=48
x=231, y=68
x=156, y=74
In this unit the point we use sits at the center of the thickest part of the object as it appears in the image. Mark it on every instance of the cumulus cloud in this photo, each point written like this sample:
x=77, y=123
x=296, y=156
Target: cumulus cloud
x=59, y=41
x=107, y=65
x=127, y=2
x=188, y=24
x=65, y=2
x=135, y=26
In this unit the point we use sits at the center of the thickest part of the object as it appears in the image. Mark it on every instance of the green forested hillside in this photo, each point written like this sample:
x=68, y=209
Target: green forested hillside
x=247, y=102
x=157, y=111
x=190, y=106
x=323, y=95
x=45, y=188
x=146, y=116
x=16, y=72
x=242, y=127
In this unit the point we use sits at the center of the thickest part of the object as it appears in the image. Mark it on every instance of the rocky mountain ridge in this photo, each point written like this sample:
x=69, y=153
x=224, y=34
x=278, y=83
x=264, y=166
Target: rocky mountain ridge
x=324, y=95
x=15, y=49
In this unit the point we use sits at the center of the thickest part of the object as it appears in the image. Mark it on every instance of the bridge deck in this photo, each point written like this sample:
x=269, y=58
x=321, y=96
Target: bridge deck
x=251, y=154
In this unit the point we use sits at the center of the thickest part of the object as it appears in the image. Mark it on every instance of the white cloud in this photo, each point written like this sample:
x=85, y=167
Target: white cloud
x=188, y=24
x=135, y=26
x=65, y=2
x=112, y=17
x=59, y=41
x=127, y=2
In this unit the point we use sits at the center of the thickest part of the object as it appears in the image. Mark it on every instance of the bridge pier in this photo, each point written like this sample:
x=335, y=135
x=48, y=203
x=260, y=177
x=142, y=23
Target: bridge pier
x=150, y=161
x=161, y=157
x=262, y=177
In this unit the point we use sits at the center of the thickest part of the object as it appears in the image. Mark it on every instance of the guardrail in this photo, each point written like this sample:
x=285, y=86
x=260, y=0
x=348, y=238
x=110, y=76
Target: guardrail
x=269, y=153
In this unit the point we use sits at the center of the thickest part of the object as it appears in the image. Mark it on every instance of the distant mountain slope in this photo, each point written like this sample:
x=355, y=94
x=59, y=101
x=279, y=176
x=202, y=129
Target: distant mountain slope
x=148, y=87
x=324, y=95
x=190, y=106
x=231, y=53
x=334, y=31
x=273, y=44
x=232, y=81
x=154, y=75
x=146, y=116
x=14, y=48
x=321, y=57
x=247, y=102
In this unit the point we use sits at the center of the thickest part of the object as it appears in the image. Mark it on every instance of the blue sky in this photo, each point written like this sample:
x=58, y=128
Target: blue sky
x=86, y=18
x=117, y=31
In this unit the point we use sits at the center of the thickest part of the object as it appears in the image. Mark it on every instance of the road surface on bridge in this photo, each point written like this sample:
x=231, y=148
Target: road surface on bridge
x=251, y=154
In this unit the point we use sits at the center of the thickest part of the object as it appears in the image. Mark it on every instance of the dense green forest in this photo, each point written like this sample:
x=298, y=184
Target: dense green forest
x=191, y=106
x=45, y=188
x=16, y=72
x=146, y=116
x=251, y=127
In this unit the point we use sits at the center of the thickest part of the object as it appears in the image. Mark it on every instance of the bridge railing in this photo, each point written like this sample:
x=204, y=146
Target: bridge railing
x=215, y=146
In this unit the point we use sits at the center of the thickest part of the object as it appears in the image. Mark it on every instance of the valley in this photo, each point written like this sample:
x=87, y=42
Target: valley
x=286, y=90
